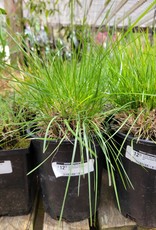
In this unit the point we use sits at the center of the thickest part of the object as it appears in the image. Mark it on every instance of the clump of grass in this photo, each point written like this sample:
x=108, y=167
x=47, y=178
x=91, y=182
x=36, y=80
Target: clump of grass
x=71, y=100
x=133, y=79
x=11, y=125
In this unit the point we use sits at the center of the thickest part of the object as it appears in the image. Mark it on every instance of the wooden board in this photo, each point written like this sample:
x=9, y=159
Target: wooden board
x=19, y=222
x=50, y=224
x=108, y=215
x=25, y=222
x=141, y=228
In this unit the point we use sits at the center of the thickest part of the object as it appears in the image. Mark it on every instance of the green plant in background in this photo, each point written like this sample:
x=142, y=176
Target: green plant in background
x=2, y=43
x=3, y=35
x=12, y=123
x=39, y=13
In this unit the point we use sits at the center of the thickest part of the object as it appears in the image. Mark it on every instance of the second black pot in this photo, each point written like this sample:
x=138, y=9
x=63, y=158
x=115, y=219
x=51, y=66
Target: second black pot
x=139, y=161
x=17, y=190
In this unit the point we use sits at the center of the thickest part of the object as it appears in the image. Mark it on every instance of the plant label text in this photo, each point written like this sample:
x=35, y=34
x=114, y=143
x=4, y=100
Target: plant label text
x=142, y=158
x=75, y=169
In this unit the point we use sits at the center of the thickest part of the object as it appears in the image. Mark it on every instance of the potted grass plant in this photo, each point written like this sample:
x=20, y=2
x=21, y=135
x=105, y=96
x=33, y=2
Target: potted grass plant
x=132, y=72
x=17, y=189
x=68, y=132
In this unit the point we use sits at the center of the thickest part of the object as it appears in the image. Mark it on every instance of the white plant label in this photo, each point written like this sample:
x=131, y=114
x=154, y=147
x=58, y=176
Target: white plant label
x=75, y=169
x=5, y=167
x=142, y=158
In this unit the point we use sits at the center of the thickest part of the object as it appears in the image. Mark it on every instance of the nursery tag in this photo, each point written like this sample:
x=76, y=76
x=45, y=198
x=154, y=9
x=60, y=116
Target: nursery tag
x=75, y=169
x=142, y=158
x=5, y=167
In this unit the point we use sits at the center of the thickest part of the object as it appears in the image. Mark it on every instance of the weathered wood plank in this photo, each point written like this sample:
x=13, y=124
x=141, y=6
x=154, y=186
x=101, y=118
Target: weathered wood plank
x=108, y=215
x=25, y=222
x=51, y=224
x=16, y=223
x=141, y=228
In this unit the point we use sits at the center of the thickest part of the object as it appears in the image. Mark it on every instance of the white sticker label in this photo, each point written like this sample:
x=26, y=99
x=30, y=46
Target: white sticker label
x=142, y=158
x=5, y=167
x=75, y=169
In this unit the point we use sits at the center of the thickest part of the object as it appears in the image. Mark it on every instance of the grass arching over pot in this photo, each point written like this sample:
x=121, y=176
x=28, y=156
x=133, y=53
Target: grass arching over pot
x=71, y=101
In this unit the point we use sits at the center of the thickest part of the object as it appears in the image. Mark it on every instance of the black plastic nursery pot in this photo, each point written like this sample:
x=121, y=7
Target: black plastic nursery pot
x=17, y=190
x=139, y=161
x=54, y=174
